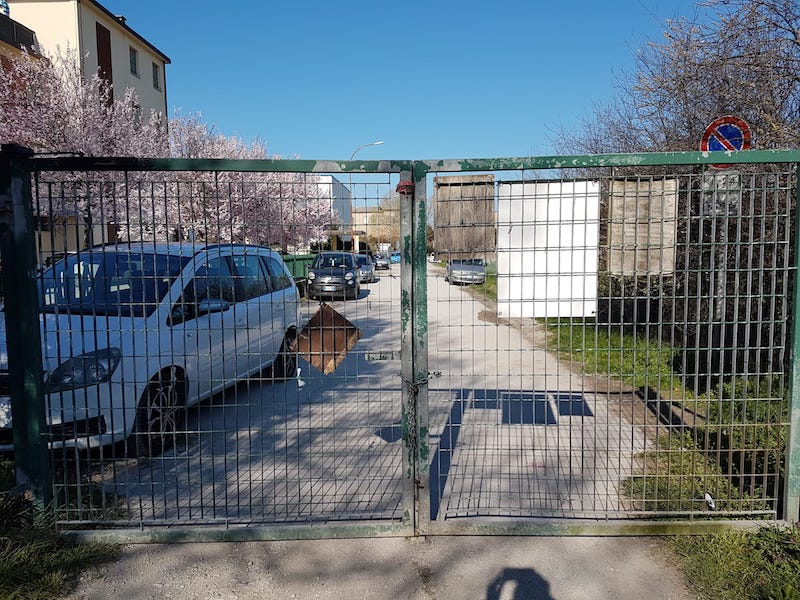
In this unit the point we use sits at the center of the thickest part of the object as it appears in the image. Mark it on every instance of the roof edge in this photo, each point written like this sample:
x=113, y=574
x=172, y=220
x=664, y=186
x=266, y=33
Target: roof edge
x=127, y=28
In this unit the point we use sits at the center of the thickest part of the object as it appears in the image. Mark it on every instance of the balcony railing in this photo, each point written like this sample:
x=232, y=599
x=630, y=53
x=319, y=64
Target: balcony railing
x=16, y=35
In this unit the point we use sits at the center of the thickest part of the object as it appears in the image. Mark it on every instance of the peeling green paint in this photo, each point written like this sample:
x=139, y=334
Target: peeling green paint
x=81, y=163
x=405, y=310
x=407, y=256
x=420, y=168
x=408, y=438
x=424, y=449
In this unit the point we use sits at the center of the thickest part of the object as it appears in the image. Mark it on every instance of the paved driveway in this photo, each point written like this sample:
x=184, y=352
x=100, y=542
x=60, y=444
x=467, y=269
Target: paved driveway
x=513, y=432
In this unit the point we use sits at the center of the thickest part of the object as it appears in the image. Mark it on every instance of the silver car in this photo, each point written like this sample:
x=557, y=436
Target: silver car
x=366, y=269
x=468, y=270
x=381, y=262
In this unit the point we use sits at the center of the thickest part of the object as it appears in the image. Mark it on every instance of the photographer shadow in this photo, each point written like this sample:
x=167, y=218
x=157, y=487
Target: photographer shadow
x=522, y=584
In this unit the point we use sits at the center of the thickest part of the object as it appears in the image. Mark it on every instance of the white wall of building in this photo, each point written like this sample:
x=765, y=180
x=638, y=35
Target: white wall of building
x=341, y=200
x=547, y=249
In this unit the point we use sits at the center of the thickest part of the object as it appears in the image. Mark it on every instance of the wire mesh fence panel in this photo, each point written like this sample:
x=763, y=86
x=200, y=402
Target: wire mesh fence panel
x=178, y=391
x=612, y=344
x=235, y=344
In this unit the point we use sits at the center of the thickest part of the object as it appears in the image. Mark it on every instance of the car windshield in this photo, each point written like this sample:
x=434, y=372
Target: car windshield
x=326, y=261
x=363, y=260
x=121, y=283
x=467, y=261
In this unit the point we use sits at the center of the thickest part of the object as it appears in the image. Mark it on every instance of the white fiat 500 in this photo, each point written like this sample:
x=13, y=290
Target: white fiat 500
x=133, y=333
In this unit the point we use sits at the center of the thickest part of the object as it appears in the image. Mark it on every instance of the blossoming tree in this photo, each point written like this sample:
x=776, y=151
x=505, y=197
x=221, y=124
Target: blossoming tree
x=48, y=105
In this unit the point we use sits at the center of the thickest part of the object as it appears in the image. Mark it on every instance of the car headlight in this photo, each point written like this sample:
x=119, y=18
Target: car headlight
x=348, y=276
x=84, y=370
x=311, y=275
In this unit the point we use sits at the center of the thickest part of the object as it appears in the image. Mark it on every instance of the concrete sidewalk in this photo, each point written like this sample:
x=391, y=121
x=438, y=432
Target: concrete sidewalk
x=441, y=568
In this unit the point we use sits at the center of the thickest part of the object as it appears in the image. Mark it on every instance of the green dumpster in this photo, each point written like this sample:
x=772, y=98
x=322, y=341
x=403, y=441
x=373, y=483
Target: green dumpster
x=298, y=266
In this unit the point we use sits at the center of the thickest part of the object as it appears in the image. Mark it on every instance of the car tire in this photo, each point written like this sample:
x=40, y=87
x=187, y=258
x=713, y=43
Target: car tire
x=285, y=364
x=157, y=415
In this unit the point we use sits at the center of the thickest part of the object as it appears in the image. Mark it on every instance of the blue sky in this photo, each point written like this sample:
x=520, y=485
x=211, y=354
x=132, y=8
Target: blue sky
x=444, y=79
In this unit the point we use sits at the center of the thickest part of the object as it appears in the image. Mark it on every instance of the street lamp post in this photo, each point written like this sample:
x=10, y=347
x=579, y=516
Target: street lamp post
x=352, y=196
x=378, y=143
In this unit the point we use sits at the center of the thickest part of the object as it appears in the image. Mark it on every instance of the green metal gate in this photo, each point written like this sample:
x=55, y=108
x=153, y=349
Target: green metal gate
x=620, y=362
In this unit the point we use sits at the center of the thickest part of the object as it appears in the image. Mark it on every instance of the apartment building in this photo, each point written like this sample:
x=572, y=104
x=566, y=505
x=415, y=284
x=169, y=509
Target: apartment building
x=104, y=41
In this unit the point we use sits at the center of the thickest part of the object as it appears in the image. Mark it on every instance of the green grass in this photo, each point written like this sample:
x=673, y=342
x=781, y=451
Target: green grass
x=760, y=565
x=487, y=289
x=677, y=477
x=618, y=351
x=35, y=562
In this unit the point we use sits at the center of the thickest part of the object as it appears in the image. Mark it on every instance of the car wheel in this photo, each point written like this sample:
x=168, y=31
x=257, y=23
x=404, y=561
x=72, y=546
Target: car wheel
x=285, y=364
x=157, y=415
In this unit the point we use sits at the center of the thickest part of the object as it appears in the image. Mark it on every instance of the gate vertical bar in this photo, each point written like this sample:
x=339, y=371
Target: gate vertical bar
x=18, y=251
x=792, y=486
x=409, y=400
x=419, y=251
x=414, y=319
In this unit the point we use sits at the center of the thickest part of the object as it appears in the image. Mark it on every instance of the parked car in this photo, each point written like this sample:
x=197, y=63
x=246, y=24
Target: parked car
x=381, y=261
x=467, y=270
x=366, y=269
x=133, y=333
x=334, y=274
x=395, y=258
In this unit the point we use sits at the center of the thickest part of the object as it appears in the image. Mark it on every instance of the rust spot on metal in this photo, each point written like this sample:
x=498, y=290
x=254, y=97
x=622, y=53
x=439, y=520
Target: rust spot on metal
x=326, y=339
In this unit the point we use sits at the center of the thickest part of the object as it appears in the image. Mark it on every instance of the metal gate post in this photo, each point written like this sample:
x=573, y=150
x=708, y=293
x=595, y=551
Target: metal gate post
x=413, y=327
x=791, y=505
x=18, y=252
x=419, y=256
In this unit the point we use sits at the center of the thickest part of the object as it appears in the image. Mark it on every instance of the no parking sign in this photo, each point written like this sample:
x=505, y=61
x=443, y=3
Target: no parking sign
x=726, y=134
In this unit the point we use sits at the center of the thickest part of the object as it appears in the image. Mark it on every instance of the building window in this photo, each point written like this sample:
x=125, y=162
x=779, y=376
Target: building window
x=103, y=37
x=134, y=56
x=156, y=77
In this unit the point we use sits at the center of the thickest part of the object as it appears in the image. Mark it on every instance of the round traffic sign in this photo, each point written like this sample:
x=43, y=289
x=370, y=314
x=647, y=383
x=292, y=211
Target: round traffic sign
x=727, y=133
